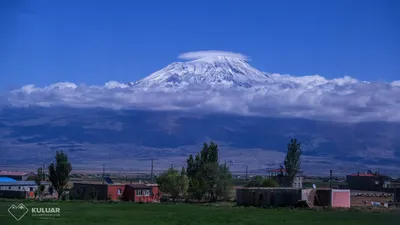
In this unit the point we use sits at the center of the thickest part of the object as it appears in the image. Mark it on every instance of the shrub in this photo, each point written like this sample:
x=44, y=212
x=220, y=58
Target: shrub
x=269, y=183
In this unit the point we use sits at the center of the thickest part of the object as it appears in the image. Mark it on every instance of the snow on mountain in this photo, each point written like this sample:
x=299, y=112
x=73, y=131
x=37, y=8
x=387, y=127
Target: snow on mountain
x=226, y=82
x=210, y=71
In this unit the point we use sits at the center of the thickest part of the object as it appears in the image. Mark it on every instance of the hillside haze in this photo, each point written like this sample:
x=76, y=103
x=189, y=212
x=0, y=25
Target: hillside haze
x=343, y=124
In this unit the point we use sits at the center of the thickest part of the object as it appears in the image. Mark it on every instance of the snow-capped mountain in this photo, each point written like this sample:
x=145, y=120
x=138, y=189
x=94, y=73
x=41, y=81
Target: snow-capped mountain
x=210, y=96
x=211, y=71
x=225, y=82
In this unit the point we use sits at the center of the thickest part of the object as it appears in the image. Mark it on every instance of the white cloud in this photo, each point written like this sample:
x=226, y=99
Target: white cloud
x=211, y=53
x=341, y=99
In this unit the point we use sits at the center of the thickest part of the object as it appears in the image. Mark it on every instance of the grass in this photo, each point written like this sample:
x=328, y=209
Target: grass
x=73, y=213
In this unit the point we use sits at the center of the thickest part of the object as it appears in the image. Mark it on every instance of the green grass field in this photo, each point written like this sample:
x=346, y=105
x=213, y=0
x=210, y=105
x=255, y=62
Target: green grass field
x=73, y=213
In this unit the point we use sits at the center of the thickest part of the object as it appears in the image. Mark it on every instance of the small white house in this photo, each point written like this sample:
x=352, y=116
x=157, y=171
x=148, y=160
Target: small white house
x=298, y=182
x=26, y=186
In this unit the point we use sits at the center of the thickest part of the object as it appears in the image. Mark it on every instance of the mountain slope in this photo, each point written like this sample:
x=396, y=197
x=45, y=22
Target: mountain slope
x=126, y=138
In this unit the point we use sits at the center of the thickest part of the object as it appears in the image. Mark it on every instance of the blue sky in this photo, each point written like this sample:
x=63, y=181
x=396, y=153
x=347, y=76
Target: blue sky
x=92, y=42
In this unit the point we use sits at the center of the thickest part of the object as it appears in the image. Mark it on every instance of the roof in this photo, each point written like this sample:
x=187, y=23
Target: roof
x=96, y=183
x=18, y=183
x=139, y=186
x=13, y=173
x=6, y=179
x=268, y=188
x=90, y=182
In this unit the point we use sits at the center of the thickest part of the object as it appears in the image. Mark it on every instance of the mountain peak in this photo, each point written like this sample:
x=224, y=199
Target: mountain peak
x=208, y=71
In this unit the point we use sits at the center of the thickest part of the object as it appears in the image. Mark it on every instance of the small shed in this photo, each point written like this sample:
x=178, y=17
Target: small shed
x=335, y=198
x=263, y=197
x=141, y=193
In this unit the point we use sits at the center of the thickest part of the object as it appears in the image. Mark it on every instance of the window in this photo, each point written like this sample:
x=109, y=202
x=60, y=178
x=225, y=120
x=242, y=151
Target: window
x=19, y=187
x=119, y=191
x=31, y=189
x=139, y=192
x=147, y=193
x=9, y=187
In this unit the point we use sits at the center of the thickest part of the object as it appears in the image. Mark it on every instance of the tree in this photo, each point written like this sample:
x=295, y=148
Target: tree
x=38, y=180
x=59, y=172
x=224, y=182
x=184, y=184
x=209, y=168
x=173, y=183
x=202, y=172
x=292, y=161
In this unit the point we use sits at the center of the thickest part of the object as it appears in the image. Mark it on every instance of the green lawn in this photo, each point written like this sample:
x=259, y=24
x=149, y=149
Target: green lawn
x=114, y=214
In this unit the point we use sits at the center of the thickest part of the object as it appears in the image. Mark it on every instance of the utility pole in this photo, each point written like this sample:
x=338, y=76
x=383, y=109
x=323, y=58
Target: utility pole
x=104, y=170
x=330, y=179
x=246, y=172
x=152, y=169
x=43, y=172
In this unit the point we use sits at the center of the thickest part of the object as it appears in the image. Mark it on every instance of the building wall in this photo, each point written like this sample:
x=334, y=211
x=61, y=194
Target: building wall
x=90, y=191
x=115, y=192
x=298, y=182
x=131, y=194
x=13, y=194
x=156, y=193
x=323, y=197
x=284, y=181
x=366, y=183
x=332, y=197
x=397, y=195
x=340, y=198
x=18, y=187
x=145, y=196
x=267, y=196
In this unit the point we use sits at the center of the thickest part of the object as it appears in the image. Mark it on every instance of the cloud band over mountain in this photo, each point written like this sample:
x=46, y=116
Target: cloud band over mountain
x=342, y=99
x=211, y=53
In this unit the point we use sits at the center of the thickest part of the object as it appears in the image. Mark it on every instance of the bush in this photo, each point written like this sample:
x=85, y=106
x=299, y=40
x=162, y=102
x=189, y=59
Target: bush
x=269, y=183
x=259, y=181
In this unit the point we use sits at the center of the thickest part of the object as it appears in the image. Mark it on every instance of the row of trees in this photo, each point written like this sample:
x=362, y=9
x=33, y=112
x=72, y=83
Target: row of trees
x=203, y=178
